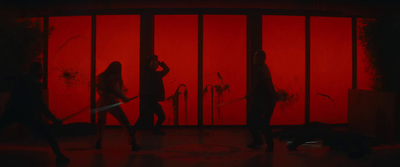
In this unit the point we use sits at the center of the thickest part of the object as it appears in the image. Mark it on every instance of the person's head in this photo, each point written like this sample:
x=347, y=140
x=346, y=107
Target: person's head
x=114, y=68
x=35, y=69
x=152, y=62
x=259, y=57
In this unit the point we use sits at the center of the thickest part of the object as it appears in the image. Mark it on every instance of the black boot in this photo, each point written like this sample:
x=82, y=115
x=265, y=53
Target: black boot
x=62, y=160
x=98, y=145
x=255, y=145
x=270, y=144
x=270, y=148
x=134, y=145
x=158, y=132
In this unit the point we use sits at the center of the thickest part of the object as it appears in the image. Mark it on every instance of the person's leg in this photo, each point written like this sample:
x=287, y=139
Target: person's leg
x=41, y=128
x=266, y=119
x=146, y=109
x=269, y=136
x=253, y=127
x=119, y=114
x=138, y=122
x=158, y=111
x=5, y=121
x=101, y=123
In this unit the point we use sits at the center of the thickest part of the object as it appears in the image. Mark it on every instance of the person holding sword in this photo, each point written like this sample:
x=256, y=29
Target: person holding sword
x=109, y=85
x=262, y=98
x=26, y=106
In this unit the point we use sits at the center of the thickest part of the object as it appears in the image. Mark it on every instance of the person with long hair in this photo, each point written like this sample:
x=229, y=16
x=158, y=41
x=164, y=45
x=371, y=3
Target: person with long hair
x=109, y=84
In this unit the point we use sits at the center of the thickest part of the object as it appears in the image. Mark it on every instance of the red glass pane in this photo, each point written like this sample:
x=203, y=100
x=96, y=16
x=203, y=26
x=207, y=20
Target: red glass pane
x=224, y=69
x=175, y=42
x=331, y=69
x=366, y=74
x=284, y=43
x=118, y=39
x=69, y=67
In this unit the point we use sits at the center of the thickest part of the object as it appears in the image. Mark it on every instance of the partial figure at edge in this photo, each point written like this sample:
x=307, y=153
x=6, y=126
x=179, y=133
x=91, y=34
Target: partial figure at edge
x=26, y=107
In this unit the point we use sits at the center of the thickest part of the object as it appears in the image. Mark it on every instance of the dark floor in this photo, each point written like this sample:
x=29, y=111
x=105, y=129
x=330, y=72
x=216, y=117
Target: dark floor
x=185, y=147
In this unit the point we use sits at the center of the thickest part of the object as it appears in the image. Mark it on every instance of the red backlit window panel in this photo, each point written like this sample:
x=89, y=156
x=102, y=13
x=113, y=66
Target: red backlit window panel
x=69, y=67
x=331, y=68
x=175, y=42
x=284, y=43
x=224, y=69
x=366, y=74
x=118, y=39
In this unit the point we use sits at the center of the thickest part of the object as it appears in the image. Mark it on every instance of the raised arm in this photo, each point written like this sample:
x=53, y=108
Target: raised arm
x=165, y=70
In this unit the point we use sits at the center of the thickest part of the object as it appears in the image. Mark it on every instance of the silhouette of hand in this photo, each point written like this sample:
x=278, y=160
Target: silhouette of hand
x=57, y=121
x=126, y=100
x=162, y=64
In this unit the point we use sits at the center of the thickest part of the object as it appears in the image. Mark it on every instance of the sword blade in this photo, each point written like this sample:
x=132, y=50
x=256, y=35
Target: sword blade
x=95, y=110
x=233, y=101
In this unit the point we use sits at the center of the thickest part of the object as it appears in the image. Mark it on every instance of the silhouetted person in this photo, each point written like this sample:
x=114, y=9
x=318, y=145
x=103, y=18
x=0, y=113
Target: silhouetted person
x=262, y=102
x=353, y=144
x=306, y=133
x=26, y=106
x=109, y=85
x=153, y=91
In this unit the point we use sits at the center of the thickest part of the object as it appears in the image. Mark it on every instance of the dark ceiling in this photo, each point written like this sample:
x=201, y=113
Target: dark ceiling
x=345, y=7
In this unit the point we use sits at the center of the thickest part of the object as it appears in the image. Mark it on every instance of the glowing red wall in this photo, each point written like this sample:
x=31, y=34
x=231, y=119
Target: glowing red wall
x=365, y=72
x=175, y=42
x=224, y=56
x=118, y=39
x=331, y=68
x=224, y=42
x=69, y=66
x=284, y=43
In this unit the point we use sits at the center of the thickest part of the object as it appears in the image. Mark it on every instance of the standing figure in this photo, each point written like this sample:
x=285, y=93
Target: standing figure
x=153, y=91
x=26, y=106
x=262, y=98
x=109, y=85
